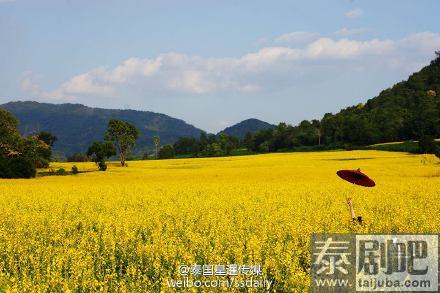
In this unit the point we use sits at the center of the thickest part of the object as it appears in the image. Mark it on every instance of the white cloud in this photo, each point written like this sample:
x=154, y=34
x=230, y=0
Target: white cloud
x=355, y=13
x=268, y=68
x=192, y=81
x=30, y=86
x=345, y=48
x=132, y=67
x=88, y=83
x=350, y=31
x=296, y=37
x=427, y=42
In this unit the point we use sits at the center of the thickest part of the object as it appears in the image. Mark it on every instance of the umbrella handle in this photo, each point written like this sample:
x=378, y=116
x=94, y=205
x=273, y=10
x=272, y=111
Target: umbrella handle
x=350, y=205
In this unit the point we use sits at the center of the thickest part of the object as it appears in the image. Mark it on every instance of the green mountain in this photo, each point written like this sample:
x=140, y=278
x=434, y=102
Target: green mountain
x=407, y=110
x=246, y=126
x=76, y=126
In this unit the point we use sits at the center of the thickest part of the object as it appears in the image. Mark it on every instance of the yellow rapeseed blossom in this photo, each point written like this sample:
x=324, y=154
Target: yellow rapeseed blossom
x=129, y=229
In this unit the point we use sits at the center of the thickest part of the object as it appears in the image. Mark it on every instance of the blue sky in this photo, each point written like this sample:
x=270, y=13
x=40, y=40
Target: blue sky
x=213, y=63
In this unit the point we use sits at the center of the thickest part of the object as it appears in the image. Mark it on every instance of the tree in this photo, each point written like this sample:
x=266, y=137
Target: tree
x=123, y=135
x=37, y=151
x=427, y=145
x=227, y=143
x=317, y=125
x=214, y=150
x=47, y=141
x=99, y=151
x=9, y=135
x=16, y=167
x=186, y=146
x=156, y=141
x=248, y=141
x=18, y=155
x=166, y=152
x=47, y=137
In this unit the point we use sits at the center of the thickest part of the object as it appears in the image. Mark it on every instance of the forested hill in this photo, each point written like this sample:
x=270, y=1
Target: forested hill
x=246, y=126
x=76, y=126
x=408, y=110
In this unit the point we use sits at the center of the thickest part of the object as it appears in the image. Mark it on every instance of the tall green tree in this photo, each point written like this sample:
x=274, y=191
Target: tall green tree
x=123, y=135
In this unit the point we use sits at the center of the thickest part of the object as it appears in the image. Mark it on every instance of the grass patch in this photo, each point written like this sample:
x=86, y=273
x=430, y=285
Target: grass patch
x=350, y=159
x=404, y=146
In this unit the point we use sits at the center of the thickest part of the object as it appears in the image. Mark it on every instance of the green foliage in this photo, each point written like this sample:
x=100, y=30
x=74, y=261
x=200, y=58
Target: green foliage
x=241, y=129
x=427, y=145
x=99, y=152
x=47, y=137
x=187, y=145
x=16, y=167
x=166, y=152
x=208, y=145
x=214, y=150
x=47, y=141
x=102, y=166
x=227, y=143
x=9, y=135
x=20, y=156
x=75, y=170
x=123, y=135
x=61, y=172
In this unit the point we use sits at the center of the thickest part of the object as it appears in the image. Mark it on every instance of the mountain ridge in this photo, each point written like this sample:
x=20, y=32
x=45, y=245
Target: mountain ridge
x=250, y=125
x=77, y=125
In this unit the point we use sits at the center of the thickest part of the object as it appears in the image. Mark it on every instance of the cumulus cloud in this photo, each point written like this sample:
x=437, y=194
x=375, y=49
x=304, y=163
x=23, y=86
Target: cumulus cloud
x=93, y=82
x=296, y=37
x=268, y=68
x=355, y=13
x=424, y=42
x=350, y=31
x=30, y=86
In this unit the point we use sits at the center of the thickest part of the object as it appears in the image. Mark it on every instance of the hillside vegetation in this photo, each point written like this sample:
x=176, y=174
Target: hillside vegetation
x=77, y=126
x=244, y=127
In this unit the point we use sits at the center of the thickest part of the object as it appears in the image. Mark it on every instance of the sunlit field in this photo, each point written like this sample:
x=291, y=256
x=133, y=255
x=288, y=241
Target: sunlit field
x=130, y=228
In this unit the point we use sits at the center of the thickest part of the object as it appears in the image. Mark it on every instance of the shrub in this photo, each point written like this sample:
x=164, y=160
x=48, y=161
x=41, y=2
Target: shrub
x=427, y=145
x=102, y=166
x=16, y=167
x=75, y=170
x=61, y=172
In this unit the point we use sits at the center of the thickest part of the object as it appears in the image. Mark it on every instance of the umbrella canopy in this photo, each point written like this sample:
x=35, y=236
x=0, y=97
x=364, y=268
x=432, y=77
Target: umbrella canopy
x=356, y=177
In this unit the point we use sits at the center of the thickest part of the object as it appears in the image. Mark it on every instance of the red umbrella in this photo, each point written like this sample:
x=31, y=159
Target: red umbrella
x=356, y=177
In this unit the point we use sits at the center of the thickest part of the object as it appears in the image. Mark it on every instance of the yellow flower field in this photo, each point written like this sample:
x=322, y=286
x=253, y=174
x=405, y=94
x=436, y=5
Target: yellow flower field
x=129, y=229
